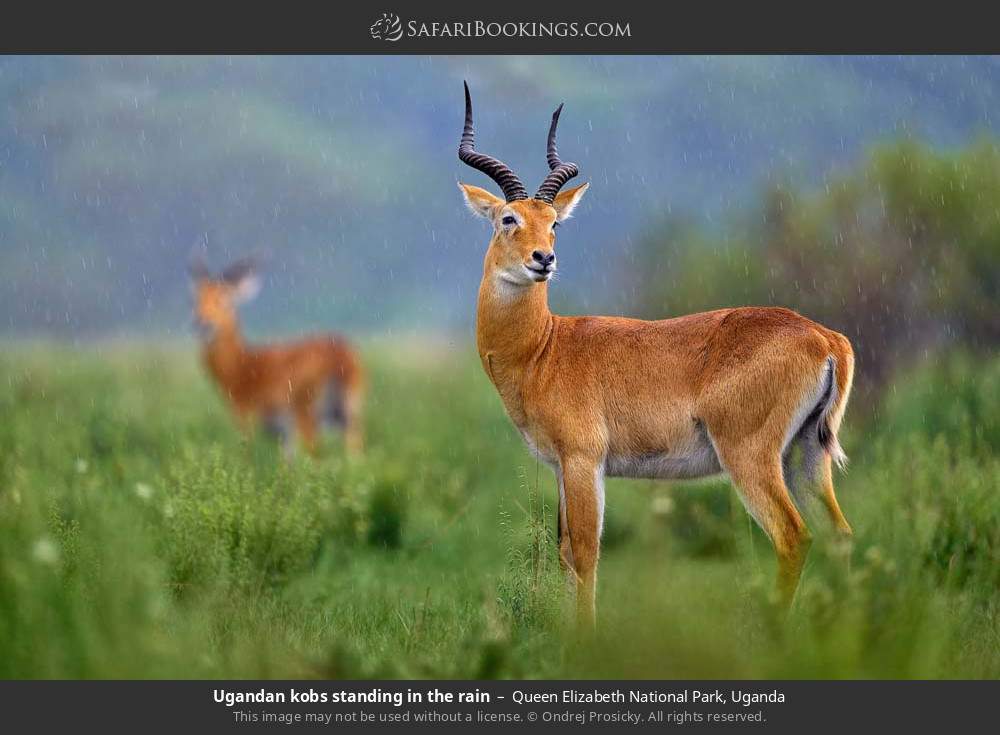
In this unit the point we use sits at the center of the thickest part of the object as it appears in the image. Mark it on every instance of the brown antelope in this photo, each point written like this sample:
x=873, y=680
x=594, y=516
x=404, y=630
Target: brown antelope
x=758, y=393
x=312, y=379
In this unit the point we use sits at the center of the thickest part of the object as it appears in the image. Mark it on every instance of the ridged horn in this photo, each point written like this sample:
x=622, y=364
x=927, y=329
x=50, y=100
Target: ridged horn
x=496, y=169
x=560, y=172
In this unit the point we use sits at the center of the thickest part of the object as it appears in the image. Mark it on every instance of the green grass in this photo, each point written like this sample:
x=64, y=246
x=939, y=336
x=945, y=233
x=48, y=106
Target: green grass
x=140, y=536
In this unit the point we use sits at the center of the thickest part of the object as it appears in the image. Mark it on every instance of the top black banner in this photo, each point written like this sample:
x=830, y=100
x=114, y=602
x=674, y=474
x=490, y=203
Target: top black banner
x=505, y=28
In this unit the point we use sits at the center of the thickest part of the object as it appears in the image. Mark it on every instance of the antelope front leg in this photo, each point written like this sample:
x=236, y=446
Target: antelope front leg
x=562, y=535
x=246, y=421
x=305, y=424
x=582, y=509
x=353, y=431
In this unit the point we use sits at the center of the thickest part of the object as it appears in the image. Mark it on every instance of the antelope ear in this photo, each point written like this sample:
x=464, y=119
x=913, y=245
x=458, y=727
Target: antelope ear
x=197, y=268
x=246, y=287
x=243, y=278
x=480, y=201
x=566, y=201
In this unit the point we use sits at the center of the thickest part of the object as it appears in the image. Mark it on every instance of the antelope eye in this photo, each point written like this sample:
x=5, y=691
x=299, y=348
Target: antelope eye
x=508, y=221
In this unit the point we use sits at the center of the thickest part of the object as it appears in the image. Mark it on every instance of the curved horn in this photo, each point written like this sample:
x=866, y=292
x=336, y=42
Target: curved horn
x=560, y=172
x=497, y=170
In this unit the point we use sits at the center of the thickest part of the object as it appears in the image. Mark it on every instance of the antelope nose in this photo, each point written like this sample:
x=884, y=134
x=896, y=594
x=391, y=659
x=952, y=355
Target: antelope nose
x=546, y=259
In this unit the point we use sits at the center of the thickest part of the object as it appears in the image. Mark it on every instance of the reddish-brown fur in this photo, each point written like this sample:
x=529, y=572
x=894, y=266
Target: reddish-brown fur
x=268, y=383
x=608, y=395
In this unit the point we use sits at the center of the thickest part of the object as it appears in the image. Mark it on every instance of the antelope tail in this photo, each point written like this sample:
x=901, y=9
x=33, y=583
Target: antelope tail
x=831, y=409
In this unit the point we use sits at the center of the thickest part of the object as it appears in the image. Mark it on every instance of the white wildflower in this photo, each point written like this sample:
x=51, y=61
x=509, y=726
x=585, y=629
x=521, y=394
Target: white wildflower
x=143, y=491
x=663, y=505
x=45, y=551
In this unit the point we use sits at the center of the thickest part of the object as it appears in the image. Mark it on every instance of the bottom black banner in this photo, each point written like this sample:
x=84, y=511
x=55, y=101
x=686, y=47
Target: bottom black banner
x=245, y=706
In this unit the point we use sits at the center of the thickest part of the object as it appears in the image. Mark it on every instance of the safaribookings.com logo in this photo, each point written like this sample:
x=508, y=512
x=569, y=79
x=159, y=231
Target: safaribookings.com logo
x=390, y=28
x=387, y=28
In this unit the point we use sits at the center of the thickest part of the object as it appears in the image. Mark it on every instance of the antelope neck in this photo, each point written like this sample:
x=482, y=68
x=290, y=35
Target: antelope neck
x=224, y=350
x=512, y=326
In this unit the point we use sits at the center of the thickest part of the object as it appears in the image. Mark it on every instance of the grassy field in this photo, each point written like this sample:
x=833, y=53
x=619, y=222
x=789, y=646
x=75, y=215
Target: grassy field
x=140, y=536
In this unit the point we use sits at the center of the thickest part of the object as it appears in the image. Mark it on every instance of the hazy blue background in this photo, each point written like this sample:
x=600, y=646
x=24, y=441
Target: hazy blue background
x=344, y=168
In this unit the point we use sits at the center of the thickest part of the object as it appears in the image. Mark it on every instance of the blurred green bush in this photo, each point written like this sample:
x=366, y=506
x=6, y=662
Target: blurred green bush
x=901, y=253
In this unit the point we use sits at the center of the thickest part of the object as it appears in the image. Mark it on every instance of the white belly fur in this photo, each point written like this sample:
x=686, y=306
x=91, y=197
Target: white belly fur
x=696, y=461
x=688, y=463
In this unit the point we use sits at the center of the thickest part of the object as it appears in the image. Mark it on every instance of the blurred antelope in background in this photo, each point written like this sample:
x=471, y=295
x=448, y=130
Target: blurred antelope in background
x=313, y=380
x=758, y=393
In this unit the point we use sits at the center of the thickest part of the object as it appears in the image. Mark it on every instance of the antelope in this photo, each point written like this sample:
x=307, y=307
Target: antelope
x=757, y=393
x=312, y=379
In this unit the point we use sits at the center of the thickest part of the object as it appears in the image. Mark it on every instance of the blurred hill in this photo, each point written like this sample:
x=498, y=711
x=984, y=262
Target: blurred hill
x=111, y=169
